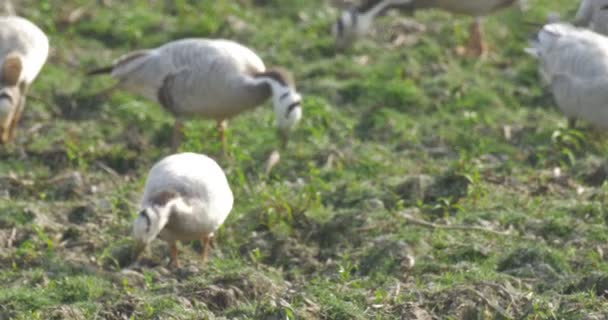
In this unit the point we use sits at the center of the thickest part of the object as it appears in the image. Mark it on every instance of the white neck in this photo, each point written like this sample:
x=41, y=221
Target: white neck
x=161, y=214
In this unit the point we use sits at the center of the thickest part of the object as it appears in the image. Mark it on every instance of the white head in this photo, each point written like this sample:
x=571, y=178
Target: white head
x=356, y=22
x=12, y=92
x=346, y=29
x=286, y=100
x=153, y=218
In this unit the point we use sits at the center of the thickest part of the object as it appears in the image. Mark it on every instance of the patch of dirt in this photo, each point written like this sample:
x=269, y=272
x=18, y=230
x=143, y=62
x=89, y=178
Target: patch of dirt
x=484, y=300
x=430, y=189
x=592, y=170
x=535, y=263
x=121, y=310
x=81, y=214
x=596, y=282
x=387, y=256
x=228, y=292
x=66, y=312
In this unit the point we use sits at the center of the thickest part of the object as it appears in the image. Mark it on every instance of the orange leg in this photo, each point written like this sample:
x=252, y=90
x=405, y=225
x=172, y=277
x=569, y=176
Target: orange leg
x=221, y=130
x=15, y=120
x=174, y=262
x=176, y=139
x=5, y=129
x=206, y=244
x=476, y=46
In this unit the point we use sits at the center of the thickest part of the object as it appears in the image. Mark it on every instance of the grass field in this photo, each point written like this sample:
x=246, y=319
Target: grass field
x=406, y=152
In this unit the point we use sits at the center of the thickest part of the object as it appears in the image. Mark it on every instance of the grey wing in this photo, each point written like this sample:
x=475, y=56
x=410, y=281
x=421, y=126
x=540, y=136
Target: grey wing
x=583, y=98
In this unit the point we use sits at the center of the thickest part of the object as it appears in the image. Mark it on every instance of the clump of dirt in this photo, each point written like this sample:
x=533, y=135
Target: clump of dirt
x=467, y=252
x=11, y=217
x=341, y=230
x=66, y=312
x=123, y=309
x=81, y=214
x=67, y=185
x=592, y=170
x=430, y=189
x=413, y=311
x=596, y=282
x=284, y=252
x=387, y=256
x=121, y=255
x=218, y=298
x=228, y=292
x=535, y=262
x=291, y=252
x=484, y=300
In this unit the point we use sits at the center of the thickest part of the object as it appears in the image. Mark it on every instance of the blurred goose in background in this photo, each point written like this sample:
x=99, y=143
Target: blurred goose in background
x=186, y=197
x=593, y=14
x=214, y=79
x=574, y=63
x=24, y=49
x=355, y=23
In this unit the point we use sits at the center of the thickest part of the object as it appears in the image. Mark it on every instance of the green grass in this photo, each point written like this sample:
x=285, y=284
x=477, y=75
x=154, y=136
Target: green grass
x=387, y=131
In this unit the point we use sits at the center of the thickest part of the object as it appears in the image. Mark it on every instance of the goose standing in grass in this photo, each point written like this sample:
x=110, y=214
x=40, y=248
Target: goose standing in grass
x=186, y=197
x=23, y=51
x=214, y=79
x=355, y=23
x=574, y=62
x=593, y=14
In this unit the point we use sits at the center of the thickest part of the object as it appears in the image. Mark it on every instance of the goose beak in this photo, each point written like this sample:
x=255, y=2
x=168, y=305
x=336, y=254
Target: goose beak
x=138, y=249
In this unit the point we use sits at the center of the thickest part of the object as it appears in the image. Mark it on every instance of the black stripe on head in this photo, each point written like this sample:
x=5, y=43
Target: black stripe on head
x=279, y=75
x=4, y=95
x=291, y=107
x=144, y=213
x=604, y=7
x=340, y=27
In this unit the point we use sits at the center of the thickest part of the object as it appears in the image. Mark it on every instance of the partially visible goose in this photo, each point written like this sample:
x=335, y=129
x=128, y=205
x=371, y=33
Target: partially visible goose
x=353, y=24
x=574, y=62
x=593, y=14
x=186, y=197
x=23, y=51
x=214, y=79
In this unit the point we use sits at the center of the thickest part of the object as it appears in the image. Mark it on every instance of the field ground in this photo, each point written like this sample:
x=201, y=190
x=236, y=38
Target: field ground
x=407, y=152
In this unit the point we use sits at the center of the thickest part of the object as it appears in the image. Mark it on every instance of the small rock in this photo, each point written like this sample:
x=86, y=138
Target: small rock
x=373, y=204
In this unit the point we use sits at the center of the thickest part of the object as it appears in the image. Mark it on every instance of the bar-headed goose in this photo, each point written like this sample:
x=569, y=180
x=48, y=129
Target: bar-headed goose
x=186, y=197
x=215, y=79
x=354, y=23
x=593, y=14
x=574, y=62
x=23, y=51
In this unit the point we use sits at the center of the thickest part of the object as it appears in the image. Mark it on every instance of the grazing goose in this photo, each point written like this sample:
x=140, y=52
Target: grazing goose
x=186, y=197
x=593, y=14
x=23, y=51
x=355, y=23
x=215, y=79
x=574, y=62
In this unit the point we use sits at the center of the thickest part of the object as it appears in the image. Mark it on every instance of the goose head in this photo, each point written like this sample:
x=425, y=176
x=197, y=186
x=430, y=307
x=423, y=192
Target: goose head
x=152, y=219
x=286, y=100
